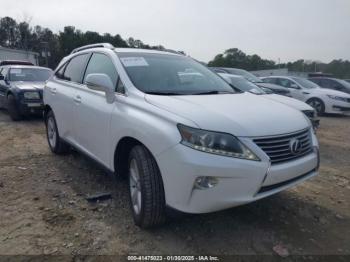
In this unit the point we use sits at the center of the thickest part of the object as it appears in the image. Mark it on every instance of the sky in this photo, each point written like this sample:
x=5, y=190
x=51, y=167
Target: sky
x=274, y=29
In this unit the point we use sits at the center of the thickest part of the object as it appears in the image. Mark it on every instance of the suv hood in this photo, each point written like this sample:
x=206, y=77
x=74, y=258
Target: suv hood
x=244, y=115
x=326, y=91
x=35, y=86
x=289, y=102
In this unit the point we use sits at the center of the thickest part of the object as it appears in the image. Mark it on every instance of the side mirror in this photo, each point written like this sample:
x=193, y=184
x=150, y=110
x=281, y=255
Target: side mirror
x=103, y=83
x=2, y=77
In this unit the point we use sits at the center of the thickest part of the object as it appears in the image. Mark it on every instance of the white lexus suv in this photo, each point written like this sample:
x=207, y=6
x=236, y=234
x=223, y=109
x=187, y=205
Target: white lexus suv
x=185, y=138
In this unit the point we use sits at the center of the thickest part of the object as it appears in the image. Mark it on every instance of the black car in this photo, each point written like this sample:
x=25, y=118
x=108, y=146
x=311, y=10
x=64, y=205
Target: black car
x=21, y=89
x=252, y=78
x=332, y=83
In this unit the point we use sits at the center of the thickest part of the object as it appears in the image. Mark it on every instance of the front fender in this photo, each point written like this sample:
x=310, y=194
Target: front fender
x=153, y=127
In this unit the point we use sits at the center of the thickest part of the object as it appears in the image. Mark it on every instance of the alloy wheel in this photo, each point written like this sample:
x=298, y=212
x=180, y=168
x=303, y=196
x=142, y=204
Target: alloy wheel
x=135, y=186
x=51, y=132
x=316, y=105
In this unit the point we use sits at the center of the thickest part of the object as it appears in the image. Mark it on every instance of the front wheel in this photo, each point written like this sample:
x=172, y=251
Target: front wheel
x=57, y=145
x=317, y=104
x=146, y=189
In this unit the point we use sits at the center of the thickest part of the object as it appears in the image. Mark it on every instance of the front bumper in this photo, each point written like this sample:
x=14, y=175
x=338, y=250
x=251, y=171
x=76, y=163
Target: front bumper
x=342, y=109
x=338, y=107
x=239, y=181
x=27, y=107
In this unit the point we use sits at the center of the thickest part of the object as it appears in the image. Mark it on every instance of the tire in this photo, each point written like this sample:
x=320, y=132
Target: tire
x=146, y=191
x=317, y=104
x=56, y=144
x=12, y=108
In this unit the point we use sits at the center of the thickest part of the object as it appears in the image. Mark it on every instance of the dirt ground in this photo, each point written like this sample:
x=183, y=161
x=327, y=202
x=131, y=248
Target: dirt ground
x=43, y=209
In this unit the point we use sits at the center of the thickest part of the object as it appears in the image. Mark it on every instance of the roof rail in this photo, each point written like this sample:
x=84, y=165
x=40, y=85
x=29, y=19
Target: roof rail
x=173, y=51
x=105, y=45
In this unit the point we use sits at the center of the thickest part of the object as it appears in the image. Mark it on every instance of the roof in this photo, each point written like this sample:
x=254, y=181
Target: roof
x=274, y=76
x=15, y=62
x=231, y=75
x=28, y=66
x=18, y=51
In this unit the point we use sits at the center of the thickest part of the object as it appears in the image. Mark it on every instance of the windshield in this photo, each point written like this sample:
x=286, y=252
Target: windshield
x=244, y=85
x=266, y=90
x=249, y=76
x=163, y=74
x=305, y=83
x=344, y=83
x=29, y=74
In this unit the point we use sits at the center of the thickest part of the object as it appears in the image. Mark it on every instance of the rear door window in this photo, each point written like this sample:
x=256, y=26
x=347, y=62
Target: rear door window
x=270, y=80
x=60, y=72
x=328, y=83
x=284, y=82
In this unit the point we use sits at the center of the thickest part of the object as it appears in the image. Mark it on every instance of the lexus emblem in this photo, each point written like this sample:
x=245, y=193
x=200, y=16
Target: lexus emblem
x=295, y=146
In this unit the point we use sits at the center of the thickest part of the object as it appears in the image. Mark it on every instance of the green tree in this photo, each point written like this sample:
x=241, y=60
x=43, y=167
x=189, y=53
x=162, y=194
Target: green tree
x=234, y=57
x=9, y=32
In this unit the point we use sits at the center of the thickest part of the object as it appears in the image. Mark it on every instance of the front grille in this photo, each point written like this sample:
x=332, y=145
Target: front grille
x=278, y=148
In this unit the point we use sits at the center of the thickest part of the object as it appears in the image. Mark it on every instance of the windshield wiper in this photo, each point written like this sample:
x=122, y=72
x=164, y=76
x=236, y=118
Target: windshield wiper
x=164, y=93
x=214, y=92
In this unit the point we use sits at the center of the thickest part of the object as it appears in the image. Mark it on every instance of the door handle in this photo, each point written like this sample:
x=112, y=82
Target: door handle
x=77, y=99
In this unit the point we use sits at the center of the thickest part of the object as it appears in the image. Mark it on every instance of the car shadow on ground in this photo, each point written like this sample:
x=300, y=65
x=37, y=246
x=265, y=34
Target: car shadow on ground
x=4, y=117
x=283, y=218
x=335, y=115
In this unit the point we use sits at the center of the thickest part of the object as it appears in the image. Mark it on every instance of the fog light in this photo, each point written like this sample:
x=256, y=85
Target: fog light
x=205, y=182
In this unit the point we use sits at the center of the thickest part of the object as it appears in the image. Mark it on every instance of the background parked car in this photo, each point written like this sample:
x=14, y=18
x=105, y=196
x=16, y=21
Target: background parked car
x=244, y=85
x=21, y=88
x=252, y=78
x=332, y=83
x=322, y=99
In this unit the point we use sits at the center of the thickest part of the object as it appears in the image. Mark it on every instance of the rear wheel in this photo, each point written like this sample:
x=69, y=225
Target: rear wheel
x=317, y=104
x=12, y=108
x=57, y=145
x=146, y=189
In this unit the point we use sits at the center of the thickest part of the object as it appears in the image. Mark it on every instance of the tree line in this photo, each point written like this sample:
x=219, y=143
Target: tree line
x=22, y=35
x=236, y=58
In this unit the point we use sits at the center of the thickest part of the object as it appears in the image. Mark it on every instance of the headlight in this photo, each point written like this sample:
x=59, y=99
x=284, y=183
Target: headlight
x=215, y=143
x=31, y=95
x=339, y=98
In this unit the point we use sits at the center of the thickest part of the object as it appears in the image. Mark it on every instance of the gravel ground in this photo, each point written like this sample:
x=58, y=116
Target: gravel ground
x=43, y=208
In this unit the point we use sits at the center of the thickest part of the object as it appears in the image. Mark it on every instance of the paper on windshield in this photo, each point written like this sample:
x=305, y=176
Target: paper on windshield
x=134, y=61
x=16, y=71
